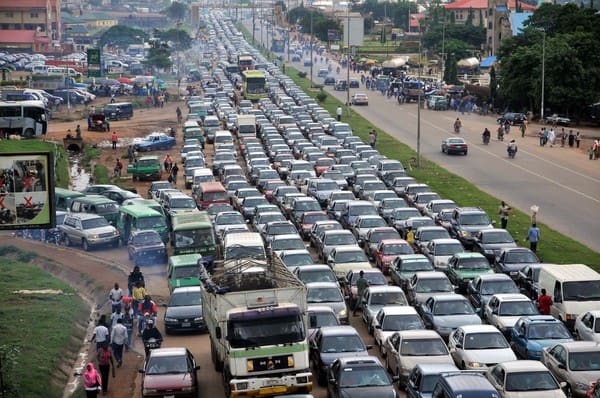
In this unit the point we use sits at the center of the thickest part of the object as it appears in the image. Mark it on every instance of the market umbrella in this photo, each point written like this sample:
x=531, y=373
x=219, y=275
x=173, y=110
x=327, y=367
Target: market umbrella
x=125, y=80
x=370, y=62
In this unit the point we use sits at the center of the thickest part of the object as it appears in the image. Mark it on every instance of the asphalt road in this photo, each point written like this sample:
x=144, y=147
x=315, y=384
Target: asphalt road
x=561, y=181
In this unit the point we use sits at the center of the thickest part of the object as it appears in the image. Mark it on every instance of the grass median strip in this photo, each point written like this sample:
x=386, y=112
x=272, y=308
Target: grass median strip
x=553, y=247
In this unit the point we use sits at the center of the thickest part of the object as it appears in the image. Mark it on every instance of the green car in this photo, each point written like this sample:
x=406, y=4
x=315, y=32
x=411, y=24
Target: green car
x=464, y=267
x=183, y=271
x=146, y=168
x=405, y=266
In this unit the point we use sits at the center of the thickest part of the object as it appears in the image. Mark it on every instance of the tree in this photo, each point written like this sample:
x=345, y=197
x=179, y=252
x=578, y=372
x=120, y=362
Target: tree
x=121, y=36
x=179, y=38
x=451, y=70
x=177, y=11
x=159, y=56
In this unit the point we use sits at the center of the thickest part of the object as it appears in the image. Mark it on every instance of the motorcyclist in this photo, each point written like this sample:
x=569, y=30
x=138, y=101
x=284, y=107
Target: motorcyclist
x=150, y=332
x=457, y=125
x=148, y=306
x=486, y=136
x=512, y=148
x=500, y=133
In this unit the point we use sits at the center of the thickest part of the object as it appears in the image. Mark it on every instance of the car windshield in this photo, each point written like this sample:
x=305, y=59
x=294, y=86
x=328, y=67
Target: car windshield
x=364, y=377
x=474, y=219
x=426, y=198
x=194, y=238
x=448, y=249
x=520, y=256
x=337, y=239
x=497, y=237
x=188, y=271
x=284, y=229
x=437, y=207
x=406, y=213
x=388, y=298
x=161, y=365
x=230, y=219
x=431, y=285
x=584, y=361
x=428, y=382
x=377, y=237
x=485, y=341
x=215, y=209
x=258, y=328
x=351, y=257
x=317, y=276
x=324, y=295
x=423, y=347
x=253, y=202
x=453, y=307
x=362, y=210
x=372, y=223
x=182, y=299
x=146, y=239
x=343, y=343
x=530, y=381
x=106, y=208
x=237, y=252
x=309, y=205
x=182, y=203
x=473, y=263
x=393, y=203
x=320, y=319
x=581, y=291
x=549, y=330
x=496, y=287
x=416, y=266
x=402, y=322
x=327, y=186
x=299, y=259
x=517, y=308
x=151, y=222
x=287, y=244
x=313, y=218
x=396, y=249
x=94, y=223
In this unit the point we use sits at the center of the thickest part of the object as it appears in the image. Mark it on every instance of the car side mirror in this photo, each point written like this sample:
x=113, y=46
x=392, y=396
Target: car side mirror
x=493, y=222
x=142, y=371
x=197, y=367
x=333, y=381
x=563, y=384
x=218, y=333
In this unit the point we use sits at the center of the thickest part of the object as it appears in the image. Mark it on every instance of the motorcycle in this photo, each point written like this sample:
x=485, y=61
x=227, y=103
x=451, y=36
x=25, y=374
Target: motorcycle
x=500, y=134
x=486, y=139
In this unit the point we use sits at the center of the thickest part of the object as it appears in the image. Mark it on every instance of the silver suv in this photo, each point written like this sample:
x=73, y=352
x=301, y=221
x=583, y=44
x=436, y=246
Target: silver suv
x=88, y=230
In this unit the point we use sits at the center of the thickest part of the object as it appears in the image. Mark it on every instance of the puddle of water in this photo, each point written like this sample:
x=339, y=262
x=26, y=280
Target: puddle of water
x=80, y=179
x=123, y=142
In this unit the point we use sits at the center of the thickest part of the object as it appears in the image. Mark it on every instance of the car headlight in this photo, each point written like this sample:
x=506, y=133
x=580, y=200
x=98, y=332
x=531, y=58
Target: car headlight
x=93, y=236
x=464, y=234
x=488, y=251
x=474, y=364
x=342, y=313
x=442, y=329
x=167, y=319
x=115, y=233
x=198, y=319
x=150, y=391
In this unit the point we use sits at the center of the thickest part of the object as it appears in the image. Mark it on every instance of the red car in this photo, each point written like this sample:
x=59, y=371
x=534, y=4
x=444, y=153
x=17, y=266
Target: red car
x=323, y=164
x=388, y=250
x=170, y=372
x=308, y=219
x=270, y=186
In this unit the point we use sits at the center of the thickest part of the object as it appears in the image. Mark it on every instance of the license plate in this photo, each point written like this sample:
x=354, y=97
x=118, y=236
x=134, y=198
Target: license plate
x=271, y=382
x=273, y=390
x=185, y=324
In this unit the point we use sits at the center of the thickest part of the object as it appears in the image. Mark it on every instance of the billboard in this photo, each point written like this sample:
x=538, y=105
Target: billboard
x=355, y=29
x=27, y=190
x=333, y=35
x=94, y=62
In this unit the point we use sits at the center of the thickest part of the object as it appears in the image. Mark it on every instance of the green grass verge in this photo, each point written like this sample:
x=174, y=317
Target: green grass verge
x=38, y=329
x=553, y=247
x=61, y=169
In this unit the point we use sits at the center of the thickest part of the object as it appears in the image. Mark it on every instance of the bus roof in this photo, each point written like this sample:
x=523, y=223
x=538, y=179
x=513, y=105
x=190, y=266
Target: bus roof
x=36, y=103
x=184, y=259
x=185, y=221
x=139, y=210
x=94, y=199
x=253, y=73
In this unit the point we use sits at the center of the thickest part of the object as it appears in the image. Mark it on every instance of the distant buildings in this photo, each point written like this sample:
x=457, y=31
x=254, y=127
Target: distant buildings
x=30, y=25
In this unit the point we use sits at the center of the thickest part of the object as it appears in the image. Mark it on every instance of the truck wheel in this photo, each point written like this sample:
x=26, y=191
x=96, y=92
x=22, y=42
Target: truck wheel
x=28, y=133
x=226, y=379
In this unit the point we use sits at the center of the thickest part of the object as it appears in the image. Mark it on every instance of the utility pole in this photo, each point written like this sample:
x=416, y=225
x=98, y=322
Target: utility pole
x=443, y=46
x=348, y=59
x=253, y=23
x=311, y=47
x=288, y=31
x=543, y=72
x=419, y=107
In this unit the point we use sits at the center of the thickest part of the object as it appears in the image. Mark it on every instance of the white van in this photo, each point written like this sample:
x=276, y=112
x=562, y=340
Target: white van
x=223, y=137
x=243, y=245
x=41, y=69
x=202, y=175
x=574, y=288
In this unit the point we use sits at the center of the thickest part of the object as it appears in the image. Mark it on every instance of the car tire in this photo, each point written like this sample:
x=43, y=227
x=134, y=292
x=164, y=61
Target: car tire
x=466, y=153
x=67, y=241
x=85, y=245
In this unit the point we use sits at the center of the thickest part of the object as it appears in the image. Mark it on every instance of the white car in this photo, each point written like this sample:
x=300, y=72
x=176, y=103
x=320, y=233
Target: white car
x=377, y=297
x=393, y=319
x=479, y=347
x=426, y=284
x=408, y=348
x=524, y=379
x=439, y=251
x=587, y=326
x=503, y=310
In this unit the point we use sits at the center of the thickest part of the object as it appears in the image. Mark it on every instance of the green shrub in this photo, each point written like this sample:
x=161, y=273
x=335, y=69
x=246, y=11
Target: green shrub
x=321, y=97
x=302, y=75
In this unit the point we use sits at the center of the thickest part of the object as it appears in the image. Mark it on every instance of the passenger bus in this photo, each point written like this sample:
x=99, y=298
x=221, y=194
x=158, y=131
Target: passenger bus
x=193, y=233
x=254, y=85
x=231, y=69
x=25, y=118
x=278, y=45
x=245, y=62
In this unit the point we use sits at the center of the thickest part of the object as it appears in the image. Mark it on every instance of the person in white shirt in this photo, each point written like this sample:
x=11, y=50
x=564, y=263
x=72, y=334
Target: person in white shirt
x=338, y=113
x=100, y=334
x=116, y=298
x=118, y=337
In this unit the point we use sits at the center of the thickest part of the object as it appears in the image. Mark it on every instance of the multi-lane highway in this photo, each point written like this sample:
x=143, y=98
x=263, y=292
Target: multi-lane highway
x=561, y=181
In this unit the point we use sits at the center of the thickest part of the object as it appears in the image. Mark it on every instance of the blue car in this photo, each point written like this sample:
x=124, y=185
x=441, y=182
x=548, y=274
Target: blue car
x=531, y=334
x=154, y=142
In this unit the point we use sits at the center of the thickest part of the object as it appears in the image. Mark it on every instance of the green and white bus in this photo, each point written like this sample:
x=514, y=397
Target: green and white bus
x=254, y=85
x=193, y=233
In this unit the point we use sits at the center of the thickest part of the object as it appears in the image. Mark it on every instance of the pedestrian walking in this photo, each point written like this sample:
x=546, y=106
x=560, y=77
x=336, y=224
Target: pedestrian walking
x=504, y=211
x=372, y=139
x=361, y=286
x=138, y=293
x=563, y=138
x=338, y=113
x=105, y=363
x=92, y=382
x=118, y=338
x=551, y=137
x=571, y=139
x=174, y=171
x=577, y=139
x=134, y=277
x=596, y=148
x=100, y=334
x=78, y=132
x=168, y=163
x=544, y=302
x=127, y=319
x=114, y=139
x=118, y=168
x=523, y=128
x=130, y=154
x=533, y=236
x=116, y=298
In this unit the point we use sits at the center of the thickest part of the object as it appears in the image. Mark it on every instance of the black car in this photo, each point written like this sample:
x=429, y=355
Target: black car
x=512, y=260
x=512, y=117
x=146, y=246
x=359, y=377
x=329, y=81
x=184, y=310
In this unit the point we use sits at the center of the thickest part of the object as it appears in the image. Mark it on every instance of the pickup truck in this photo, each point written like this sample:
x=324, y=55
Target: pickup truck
x=146, y=167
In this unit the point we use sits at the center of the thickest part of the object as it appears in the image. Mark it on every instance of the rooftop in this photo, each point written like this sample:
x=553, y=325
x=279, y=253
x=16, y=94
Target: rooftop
x=483, y=5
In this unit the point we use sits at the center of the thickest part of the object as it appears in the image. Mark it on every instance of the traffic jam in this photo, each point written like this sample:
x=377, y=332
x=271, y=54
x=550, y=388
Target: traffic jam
x=292, y=229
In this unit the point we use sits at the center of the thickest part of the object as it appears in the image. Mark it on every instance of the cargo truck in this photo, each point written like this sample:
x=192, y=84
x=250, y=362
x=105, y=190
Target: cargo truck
x=255, y=314
x=245, y=126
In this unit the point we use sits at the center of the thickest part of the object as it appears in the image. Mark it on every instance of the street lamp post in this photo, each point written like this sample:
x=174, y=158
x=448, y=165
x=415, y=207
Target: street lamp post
x=287, y=13
x=543, y=71
x=419, y=106
x=311, y=47
x=347, y=27
x=443, y=47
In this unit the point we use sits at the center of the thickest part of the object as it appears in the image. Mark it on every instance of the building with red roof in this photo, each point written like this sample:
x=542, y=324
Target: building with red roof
x=480, y=9
x=30, y=25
